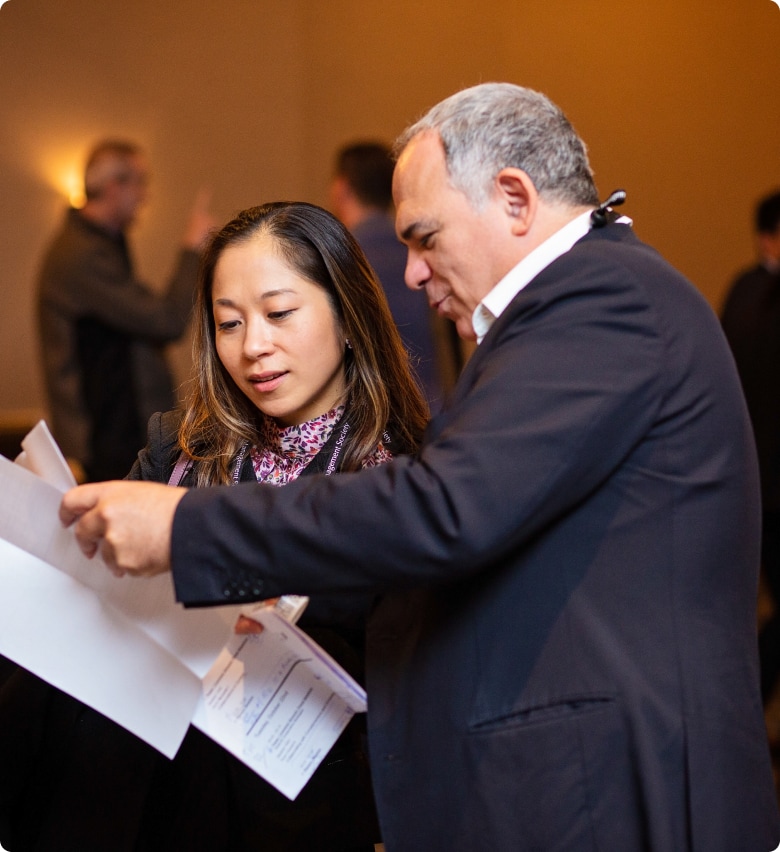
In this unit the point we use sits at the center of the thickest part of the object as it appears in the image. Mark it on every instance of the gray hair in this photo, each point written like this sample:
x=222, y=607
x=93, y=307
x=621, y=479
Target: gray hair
x=497, y=125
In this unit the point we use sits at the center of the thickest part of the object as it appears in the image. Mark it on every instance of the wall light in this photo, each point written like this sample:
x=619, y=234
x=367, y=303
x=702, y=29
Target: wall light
x=64, y=172
x=75, y=188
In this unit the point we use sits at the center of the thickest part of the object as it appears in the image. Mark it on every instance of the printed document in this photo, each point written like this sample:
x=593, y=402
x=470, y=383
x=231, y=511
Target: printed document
x=278, y=702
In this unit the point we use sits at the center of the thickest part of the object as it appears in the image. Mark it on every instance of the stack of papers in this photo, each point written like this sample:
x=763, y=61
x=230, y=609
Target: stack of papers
x=125, y=647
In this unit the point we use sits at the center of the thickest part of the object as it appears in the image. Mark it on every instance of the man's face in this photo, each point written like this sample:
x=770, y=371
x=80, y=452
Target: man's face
x=458, y=254
x=129, y=190
x=769, y=248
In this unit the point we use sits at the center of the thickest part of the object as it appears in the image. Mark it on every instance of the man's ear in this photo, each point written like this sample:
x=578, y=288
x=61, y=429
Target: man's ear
x=518, y=197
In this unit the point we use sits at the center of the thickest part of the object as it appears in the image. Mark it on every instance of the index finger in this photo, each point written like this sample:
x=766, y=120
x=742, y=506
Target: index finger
x=247, y=626
x=203, y=199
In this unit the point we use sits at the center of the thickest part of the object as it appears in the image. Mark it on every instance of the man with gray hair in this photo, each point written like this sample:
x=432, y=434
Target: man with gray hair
x=563, y=651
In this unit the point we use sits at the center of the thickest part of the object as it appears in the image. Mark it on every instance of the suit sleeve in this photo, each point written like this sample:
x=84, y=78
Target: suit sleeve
x=555, y=398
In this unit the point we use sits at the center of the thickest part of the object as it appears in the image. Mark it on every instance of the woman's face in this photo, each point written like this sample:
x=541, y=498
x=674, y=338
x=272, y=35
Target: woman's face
x=276, y=333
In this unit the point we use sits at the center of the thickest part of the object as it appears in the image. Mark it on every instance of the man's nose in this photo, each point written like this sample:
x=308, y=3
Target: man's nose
x=417, y=272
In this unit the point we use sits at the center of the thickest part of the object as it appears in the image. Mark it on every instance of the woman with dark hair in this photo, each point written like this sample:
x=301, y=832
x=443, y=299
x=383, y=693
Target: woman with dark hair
x=372, y=377
x=299, y=370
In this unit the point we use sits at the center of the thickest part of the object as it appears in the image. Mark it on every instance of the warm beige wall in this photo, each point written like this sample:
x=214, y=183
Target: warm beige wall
x=212, y=90
x=677, y=100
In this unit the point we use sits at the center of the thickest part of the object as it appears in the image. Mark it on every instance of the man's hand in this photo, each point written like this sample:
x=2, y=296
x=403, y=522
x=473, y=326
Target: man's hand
x=129, y=523
x=201, y=224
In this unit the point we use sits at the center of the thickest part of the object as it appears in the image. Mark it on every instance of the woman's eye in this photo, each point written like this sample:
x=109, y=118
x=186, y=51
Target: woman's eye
x=278, y=315
x=228, y=325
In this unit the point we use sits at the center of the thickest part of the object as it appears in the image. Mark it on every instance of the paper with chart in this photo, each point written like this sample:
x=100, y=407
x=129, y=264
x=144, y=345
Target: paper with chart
x=278, y=702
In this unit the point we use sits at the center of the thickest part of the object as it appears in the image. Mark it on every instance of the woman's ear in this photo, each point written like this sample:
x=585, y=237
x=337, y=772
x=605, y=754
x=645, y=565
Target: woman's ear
x=518, y=198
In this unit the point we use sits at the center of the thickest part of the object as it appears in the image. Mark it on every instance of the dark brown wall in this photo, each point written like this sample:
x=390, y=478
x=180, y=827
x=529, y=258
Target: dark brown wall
x=678, y=102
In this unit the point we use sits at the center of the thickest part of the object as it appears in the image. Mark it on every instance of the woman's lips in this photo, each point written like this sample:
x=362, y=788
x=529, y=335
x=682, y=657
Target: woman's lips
x=266, y=382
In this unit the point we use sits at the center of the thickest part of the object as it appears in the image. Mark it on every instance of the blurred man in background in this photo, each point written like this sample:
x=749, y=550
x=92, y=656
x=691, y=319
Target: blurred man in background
x=361, y=195
x=102, y=331
x=751, y=321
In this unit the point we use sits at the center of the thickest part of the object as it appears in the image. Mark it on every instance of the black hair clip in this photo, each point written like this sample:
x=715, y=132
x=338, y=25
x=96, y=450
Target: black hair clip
x=600, y=216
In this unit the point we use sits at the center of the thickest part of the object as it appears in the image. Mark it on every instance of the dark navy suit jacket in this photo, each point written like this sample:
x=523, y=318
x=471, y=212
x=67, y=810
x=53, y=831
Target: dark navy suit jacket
x=564, y=656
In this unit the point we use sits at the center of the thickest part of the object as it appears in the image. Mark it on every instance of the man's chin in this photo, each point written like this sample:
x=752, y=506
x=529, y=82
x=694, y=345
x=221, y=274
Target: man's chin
x=465, y=329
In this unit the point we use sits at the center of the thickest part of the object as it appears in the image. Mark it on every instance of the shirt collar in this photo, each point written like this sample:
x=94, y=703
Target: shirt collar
x=496, y=301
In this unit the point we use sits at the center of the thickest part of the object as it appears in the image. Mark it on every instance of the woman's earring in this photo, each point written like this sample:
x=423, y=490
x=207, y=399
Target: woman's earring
x=349, y=345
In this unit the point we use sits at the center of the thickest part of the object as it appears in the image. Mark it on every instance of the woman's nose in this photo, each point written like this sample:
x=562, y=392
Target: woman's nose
x=258, y=340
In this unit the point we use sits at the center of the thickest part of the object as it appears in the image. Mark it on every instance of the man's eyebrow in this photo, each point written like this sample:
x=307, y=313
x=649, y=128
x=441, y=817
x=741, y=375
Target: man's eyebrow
x=410, y=230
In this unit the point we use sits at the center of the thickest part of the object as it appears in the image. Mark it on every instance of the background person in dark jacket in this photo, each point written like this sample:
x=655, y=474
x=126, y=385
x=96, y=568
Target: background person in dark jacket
x=102, y=331
x=751, y=322
x=361, y=196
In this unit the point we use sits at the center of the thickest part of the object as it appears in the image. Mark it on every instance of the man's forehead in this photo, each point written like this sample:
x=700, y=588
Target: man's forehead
x=419, y=175
x=423, y=151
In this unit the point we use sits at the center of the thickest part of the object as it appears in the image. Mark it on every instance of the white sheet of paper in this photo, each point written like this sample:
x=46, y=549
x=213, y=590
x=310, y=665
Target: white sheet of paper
x=275, y=700
x=29, y=519
x=43, y=457
x=278, y=702
x=62, y=632
x=122, y=646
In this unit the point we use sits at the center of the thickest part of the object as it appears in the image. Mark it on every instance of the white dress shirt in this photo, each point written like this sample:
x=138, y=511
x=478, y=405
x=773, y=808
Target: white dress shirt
x=496, y=301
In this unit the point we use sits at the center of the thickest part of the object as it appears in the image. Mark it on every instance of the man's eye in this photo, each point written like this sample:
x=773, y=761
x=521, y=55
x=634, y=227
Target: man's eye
x=426, y=241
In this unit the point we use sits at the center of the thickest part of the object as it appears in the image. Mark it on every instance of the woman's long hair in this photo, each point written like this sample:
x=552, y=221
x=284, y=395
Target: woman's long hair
x=381, y=390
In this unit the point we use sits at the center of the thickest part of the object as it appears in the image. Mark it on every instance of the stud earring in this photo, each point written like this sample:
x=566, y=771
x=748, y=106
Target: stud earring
x=349, y=345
